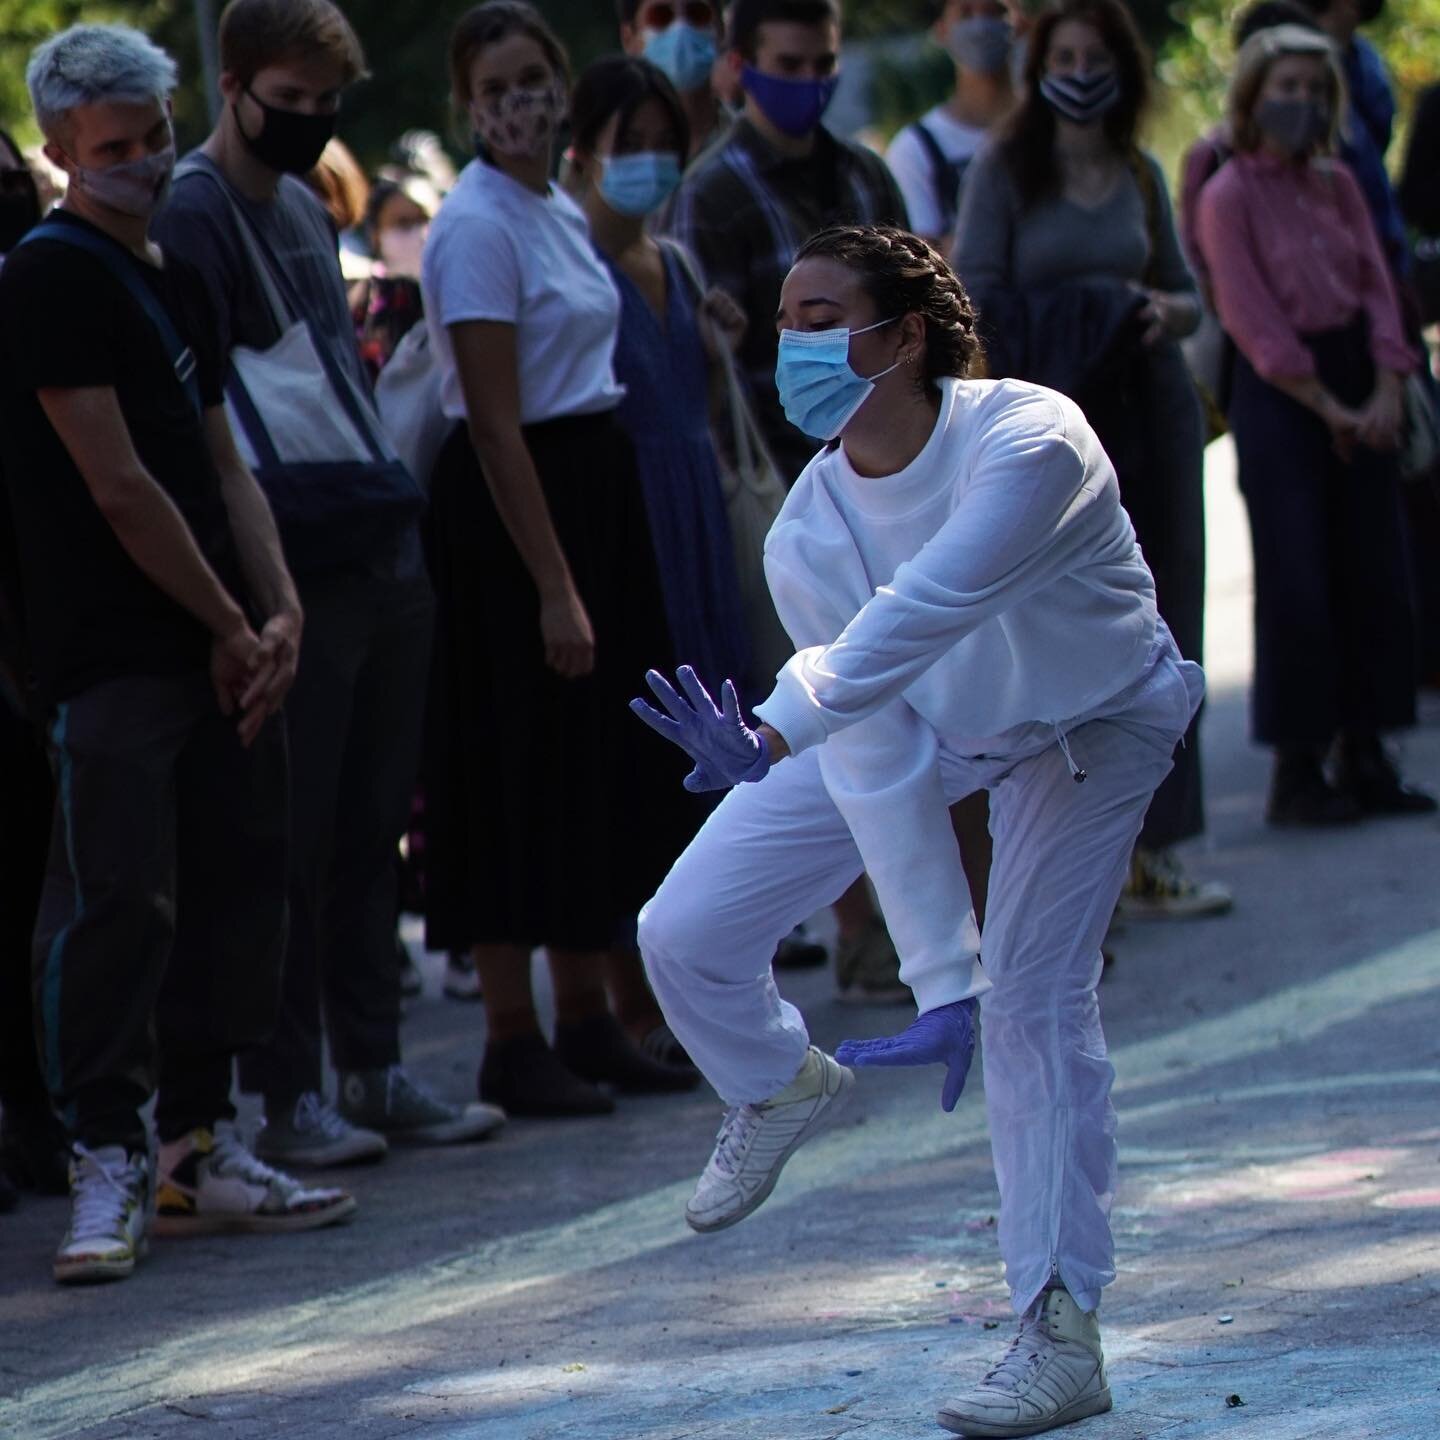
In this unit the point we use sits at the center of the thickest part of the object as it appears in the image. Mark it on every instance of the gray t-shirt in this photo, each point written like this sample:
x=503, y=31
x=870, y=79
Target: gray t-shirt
x=197, y=224
x=1000, y=242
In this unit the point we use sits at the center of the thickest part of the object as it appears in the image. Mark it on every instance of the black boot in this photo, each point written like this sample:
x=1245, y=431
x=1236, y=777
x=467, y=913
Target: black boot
x=1301, y=795
x=525, y=1077
x=1365, y=772
x=599, y=1050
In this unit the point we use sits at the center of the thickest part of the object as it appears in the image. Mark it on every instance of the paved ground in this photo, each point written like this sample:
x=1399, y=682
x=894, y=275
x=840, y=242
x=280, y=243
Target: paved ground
x=1277, y=1217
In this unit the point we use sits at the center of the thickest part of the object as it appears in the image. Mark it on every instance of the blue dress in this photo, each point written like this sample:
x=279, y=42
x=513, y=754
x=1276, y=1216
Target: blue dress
x=666, y=414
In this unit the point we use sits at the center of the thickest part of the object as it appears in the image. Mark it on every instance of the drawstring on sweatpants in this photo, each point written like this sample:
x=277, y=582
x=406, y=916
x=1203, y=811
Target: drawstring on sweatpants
x=1076, y=773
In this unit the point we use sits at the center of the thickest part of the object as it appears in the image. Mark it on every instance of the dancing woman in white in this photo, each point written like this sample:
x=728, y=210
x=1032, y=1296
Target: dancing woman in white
x=970, y=611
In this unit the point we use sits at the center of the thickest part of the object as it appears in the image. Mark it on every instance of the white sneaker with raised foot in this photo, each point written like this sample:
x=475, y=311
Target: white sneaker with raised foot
x=211, y=1184
x=755, y=1141
x=111, y=1194
x=1053, y=1373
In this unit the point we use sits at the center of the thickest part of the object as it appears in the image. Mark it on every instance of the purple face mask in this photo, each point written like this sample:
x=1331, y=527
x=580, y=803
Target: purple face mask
x=793, y=107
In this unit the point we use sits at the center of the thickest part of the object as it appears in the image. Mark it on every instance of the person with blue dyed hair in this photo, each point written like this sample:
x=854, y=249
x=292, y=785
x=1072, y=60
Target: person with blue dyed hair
x=163, y=630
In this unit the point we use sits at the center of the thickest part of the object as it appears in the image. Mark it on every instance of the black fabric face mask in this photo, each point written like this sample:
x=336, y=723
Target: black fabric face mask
x=19, y=209
x=289, y=141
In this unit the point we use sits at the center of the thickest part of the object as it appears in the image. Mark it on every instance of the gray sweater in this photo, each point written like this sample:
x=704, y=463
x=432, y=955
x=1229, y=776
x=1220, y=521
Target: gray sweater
x=999, y=242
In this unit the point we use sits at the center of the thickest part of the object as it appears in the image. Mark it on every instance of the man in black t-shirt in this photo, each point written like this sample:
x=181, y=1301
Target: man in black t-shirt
x=163, y=629
x=34, y=1150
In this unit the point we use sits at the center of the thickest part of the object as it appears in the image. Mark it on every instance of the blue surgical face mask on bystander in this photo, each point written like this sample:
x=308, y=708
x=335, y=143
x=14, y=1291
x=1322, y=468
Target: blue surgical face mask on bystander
x=819, y=391
x=641, y=183
x=685, y=53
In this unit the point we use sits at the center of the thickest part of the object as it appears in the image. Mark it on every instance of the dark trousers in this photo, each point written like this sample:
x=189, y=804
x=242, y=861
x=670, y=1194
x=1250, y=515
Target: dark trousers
x=162, y=921
x=26, y=798
x=1333, y=631
x=1153, y=430
x=354, y=720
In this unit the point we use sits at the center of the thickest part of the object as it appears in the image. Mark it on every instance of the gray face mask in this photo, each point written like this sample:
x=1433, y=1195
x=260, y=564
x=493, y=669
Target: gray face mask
x=138, y=187
x=982, y=43
x=1296, y=126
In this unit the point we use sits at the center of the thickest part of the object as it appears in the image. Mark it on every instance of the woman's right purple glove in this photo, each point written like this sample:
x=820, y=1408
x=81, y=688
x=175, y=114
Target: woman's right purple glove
x=726, y=751
x=943, y=1036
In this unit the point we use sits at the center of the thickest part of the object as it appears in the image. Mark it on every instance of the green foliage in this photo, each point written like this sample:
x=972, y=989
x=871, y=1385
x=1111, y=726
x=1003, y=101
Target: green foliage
x=1195, y=66
x=407, y=46
x=25, y=23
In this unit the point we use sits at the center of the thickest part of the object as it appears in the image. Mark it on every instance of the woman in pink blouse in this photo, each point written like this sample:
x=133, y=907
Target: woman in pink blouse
x=1302, y=288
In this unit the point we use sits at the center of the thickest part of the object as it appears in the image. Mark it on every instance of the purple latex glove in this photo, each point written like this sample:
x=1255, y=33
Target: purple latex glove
x=943, y=1036
x=726, y=751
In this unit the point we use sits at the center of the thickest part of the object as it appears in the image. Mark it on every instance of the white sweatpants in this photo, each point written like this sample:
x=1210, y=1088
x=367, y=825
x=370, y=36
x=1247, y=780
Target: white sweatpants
x=775, y=852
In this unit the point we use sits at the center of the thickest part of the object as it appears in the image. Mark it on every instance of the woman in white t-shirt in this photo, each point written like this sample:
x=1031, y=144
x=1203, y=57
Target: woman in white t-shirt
x=546, y=823
x=970, y=611
x=928, y=158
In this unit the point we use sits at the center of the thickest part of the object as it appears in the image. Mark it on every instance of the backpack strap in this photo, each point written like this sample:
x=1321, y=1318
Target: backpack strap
x=122, y=265
x=944, y=174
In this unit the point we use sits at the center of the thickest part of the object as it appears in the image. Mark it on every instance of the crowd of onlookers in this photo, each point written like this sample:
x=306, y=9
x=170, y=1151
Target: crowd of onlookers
x=343, y=513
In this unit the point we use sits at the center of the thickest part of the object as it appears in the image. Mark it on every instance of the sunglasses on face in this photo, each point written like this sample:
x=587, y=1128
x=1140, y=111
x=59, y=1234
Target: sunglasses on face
x=663, y=14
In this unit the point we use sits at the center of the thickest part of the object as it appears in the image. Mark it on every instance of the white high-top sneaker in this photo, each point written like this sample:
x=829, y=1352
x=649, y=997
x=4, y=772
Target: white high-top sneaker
x=755, y=1141
x=111, y=1196
x=1053, y=1373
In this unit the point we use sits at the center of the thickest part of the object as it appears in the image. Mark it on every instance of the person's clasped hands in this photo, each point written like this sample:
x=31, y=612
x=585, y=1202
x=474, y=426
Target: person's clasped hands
x=942, y=1036
x=726, y=751
x=252, y=674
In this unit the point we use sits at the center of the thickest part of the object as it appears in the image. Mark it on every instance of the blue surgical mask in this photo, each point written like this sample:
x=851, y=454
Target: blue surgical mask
x=641, y=183
x=793, y=107
x=981, y=43
x=819, y=391
x=686, y=54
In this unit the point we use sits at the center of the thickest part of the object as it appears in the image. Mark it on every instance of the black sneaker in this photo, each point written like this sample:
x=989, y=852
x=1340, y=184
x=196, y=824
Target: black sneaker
x=1300, y=795
x=1368, y=775
x=525, y=1077
x=797, y=951
x=599, y=1050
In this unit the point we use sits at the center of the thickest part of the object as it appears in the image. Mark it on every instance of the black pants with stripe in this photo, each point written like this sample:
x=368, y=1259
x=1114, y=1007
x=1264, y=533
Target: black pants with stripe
x=162, y=921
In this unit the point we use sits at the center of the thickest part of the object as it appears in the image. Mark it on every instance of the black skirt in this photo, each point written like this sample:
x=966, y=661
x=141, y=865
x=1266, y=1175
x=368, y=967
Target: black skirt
x=552, y=814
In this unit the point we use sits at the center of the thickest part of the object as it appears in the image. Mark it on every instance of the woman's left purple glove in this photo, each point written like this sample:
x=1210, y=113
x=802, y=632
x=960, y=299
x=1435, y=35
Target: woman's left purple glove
x=726, y=751
x=943, y=1036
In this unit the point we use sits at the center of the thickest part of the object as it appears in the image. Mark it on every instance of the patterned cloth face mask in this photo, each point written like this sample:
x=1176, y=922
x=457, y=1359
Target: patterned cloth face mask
x=138, y=187
x=520, y=123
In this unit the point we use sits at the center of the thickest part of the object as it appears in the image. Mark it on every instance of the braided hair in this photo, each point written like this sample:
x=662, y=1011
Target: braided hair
x=905, y=275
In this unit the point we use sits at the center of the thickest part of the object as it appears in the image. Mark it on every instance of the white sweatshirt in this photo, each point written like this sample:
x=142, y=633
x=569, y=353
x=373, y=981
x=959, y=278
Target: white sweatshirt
x=992, y=587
